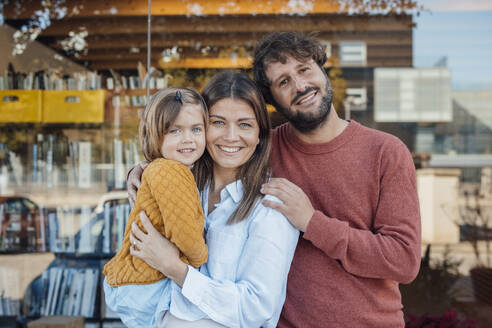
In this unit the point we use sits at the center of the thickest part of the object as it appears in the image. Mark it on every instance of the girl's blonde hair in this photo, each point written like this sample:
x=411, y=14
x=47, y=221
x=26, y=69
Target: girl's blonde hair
x=161, y=113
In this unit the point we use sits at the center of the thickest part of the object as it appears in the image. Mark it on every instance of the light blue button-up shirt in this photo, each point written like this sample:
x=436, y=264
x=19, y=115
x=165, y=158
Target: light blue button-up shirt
x=243, y=284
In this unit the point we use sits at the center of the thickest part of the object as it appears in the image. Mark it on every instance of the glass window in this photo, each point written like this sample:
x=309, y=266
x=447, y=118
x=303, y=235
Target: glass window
x=353, y=53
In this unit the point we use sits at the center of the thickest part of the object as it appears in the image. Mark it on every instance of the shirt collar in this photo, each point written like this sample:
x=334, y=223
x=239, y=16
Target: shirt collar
x=235, y=190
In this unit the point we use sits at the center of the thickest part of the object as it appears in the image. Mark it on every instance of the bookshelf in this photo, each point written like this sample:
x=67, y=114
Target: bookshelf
x=64, y=155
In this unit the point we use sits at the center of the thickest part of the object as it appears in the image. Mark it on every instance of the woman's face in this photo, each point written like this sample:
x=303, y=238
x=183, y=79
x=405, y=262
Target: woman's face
x=232, y=134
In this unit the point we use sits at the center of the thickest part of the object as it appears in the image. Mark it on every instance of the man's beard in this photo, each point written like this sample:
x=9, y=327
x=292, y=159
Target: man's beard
x=307, y=122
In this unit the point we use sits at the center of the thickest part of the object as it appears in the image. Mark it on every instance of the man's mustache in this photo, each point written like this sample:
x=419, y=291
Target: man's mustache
x=302, y=94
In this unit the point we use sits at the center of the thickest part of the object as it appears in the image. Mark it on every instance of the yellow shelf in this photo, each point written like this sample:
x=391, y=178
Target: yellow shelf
x=20, y=106
x=85, y=106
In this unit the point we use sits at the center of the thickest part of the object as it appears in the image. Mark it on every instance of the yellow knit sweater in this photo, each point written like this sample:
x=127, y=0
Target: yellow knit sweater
x=170, y=199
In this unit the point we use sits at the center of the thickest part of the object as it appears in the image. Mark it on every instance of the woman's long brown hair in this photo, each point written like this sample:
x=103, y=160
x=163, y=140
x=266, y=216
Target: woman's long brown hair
x=256, y=170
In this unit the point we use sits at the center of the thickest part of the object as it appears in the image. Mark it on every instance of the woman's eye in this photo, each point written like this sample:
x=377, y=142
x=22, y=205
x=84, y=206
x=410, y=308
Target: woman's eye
x=245, y=125
x=218, y=122
x=174, y=131
x=196, y=130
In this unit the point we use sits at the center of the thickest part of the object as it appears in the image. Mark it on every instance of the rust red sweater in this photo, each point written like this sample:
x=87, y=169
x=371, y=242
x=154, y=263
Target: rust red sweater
x=364, y=237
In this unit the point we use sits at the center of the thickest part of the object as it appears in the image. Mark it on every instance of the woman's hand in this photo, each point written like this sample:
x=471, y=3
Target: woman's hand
x=155, y=250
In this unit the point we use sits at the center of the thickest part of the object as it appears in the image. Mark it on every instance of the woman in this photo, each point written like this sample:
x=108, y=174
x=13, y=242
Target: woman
x=250, y=245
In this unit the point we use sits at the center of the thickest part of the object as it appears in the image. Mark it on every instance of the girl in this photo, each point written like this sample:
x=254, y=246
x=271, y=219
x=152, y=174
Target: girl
x=172, y=137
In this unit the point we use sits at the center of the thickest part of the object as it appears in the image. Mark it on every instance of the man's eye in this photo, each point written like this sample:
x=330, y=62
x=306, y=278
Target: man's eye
x=304, y=69
x=196, y=130
x=283, y=82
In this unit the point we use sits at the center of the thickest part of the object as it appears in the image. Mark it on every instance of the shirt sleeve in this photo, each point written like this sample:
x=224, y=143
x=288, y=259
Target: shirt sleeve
x=258, y=293
x=392, y=249
x=138, y=305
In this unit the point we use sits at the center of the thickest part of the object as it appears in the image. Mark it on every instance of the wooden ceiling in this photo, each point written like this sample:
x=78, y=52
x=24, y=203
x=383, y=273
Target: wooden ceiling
x=209, y=33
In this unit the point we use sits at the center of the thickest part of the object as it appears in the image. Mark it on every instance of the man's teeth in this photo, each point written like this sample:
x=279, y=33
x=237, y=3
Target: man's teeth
x=230, y=149
x=307, y=98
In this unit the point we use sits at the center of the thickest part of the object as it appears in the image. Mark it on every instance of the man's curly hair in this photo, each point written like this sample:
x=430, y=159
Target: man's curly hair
x=276, y=47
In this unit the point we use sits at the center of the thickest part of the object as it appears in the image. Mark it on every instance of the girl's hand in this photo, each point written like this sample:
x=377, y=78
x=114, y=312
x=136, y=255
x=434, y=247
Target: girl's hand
x=155, y=250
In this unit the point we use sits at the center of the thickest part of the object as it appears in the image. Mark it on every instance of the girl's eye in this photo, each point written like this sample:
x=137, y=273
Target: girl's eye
x=218, y=122
x=196, y=130
x=174, y=131
x=245, y=125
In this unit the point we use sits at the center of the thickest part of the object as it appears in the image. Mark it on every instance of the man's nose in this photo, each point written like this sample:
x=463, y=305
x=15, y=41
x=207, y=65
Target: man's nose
x=300, y=84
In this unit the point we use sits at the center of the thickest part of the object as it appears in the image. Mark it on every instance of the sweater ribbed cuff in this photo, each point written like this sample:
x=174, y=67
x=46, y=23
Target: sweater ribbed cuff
x=328, y=234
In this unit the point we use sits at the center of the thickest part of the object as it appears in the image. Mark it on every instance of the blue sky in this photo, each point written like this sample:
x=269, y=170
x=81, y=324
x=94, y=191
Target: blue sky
x=462, y=31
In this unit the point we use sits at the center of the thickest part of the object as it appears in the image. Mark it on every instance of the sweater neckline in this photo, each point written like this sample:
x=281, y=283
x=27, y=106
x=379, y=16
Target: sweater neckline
x=325, y=147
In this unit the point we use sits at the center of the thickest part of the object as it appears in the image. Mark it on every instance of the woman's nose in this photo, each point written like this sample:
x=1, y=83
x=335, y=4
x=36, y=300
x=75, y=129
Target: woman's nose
x=231, y=133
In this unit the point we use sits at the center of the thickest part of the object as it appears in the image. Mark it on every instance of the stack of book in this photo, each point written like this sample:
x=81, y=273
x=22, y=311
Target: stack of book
x=68, y=291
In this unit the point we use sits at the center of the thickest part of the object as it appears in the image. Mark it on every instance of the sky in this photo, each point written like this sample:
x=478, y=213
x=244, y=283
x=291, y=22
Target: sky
x=461, y=31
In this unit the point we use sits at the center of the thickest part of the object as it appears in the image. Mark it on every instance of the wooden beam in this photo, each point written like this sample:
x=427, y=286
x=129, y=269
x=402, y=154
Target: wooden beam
x=225, y=63
x=373, y=50
x=229, y=24
x=199, y=41
x=199, y=63
x=389, y=61
x=117, y=64
x=25, y=9
x=377, y=50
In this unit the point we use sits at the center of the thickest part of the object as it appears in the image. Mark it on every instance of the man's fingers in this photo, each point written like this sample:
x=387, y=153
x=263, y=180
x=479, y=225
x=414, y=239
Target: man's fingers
x=132, y=195
x=278, y=192
x=275, y=205
x=287, y=185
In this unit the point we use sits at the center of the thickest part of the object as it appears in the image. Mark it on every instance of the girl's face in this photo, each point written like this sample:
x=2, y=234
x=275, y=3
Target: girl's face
x=185, y=140
x=232, y=134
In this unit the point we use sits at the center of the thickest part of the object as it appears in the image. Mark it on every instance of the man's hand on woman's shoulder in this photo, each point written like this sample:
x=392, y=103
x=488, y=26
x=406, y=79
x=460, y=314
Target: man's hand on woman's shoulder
x=133, y=181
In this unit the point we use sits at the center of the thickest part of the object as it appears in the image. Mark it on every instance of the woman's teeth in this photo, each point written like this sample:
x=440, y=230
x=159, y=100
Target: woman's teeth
x=230, y=149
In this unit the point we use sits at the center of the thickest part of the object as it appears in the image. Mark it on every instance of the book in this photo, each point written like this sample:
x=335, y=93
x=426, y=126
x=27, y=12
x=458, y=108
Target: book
x=119, y=169
x=84, y=164
x=86, y=244
x=106, y=229
x=79, y=289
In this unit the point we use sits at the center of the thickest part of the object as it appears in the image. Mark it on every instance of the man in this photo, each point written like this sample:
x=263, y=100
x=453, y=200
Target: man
x=351, y=190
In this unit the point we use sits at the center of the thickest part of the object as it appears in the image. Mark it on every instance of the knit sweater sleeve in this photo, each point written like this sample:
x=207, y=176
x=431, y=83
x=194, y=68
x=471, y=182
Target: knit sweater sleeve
x=173, y=187
x=391, y=249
